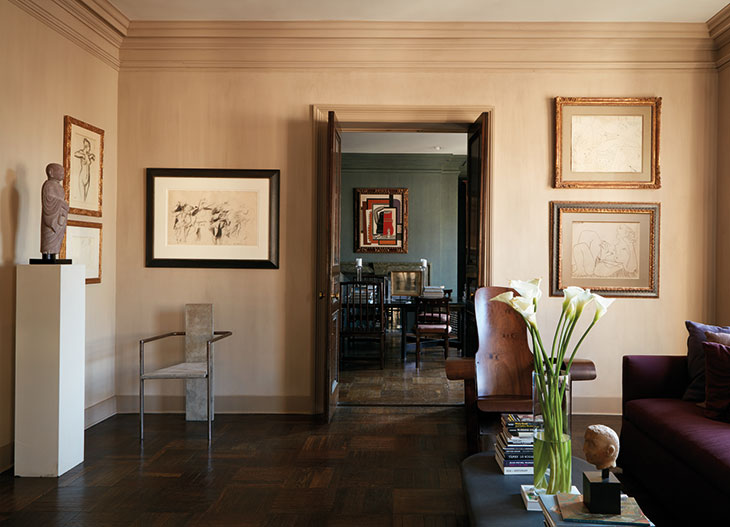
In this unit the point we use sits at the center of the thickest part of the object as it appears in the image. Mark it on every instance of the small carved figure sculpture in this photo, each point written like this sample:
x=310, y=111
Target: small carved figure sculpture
x=55, y=212
x=601, y=446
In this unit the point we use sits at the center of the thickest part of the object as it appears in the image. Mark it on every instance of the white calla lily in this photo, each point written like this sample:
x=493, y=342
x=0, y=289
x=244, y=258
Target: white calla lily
x=530, y=290
x=504, y=297
x=523, y=305
x=569, y=293
x=602, y=305
x=582, y=300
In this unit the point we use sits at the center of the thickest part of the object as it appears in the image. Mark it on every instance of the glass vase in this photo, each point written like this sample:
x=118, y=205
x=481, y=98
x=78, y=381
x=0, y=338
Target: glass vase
x=551, y=448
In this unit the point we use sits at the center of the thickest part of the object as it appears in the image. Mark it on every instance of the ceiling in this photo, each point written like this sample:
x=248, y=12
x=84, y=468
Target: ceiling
x=425, y=10
x=403, y=143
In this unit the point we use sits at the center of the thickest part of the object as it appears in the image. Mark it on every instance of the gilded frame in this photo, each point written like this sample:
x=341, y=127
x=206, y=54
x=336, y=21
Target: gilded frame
x=612, y=248
x=406, y=283
x=83, y=166
x=372, y=201
x=628, y=158
x=95, y=278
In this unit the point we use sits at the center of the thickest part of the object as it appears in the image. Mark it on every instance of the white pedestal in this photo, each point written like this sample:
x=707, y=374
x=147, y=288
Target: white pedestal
x=50, y=340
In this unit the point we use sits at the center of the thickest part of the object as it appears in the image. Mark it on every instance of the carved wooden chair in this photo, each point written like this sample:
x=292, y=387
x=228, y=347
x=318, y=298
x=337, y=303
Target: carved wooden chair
x=197, y=370
x=362, y=313
x=499, y=378
x=433, y=321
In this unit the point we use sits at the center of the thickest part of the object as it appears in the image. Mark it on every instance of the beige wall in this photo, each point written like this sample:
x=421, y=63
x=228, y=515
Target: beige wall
x=250, y=119
x=44, y=77
x=723, y=196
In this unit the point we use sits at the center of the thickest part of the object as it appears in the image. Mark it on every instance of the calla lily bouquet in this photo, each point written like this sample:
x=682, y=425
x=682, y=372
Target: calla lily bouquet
x=550, y=365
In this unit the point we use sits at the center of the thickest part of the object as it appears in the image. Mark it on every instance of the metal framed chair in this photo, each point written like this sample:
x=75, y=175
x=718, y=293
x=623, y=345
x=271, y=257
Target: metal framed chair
x=197, y=370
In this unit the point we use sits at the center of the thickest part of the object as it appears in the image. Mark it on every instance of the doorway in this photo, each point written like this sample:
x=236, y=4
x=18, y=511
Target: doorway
x=430, y=166
x=329, y=124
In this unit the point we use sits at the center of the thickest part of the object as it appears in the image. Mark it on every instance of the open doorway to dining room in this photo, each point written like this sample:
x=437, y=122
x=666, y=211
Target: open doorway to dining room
x=408, y=247
x=473, y=265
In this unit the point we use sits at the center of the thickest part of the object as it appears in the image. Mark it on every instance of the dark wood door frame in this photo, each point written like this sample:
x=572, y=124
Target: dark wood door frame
x=383, y=119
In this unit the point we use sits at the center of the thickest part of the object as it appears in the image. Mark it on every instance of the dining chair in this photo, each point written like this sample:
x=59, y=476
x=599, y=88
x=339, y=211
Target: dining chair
x=197, y=369
x=433, y=316
x=362, y=313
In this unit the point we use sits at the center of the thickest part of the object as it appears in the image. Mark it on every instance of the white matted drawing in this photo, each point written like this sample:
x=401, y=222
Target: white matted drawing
x=83, y=164
x=606, y=143
x=212, y=217
x=83, y=245
x=605, y=250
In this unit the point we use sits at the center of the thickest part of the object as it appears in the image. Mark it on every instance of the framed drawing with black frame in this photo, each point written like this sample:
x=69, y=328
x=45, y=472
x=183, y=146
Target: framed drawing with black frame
x=607, y=142
x=82, y=244
x=406, y=283
x=198, y=217
x=381, y=220
x=83, y=166
x=610, y=248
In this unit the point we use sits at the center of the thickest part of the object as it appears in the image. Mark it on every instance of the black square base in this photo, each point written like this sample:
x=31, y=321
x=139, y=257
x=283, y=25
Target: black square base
x=601, y=495
x=46, y=261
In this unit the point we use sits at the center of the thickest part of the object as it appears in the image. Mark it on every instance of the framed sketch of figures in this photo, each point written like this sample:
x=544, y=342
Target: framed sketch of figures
x=83, y=164
x=607, y=142
x=212, y=218
x=381, y=220
x=83, y=245
x=610, y=248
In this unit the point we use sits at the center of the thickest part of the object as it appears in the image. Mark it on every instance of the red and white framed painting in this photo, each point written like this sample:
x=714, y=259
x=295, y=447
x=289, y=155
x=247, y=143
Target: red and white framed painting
x=381, y=220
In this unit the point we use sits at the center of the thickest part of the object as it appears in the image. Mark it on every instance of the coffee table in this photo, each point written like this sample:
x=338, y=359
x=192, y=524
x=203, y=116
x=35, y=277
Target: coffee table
x=494, y=499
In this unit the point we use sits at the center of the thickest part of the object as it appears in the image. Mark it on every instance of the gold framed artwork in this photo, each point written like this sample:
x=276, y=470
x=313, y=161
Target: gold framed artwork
x=381, y=220
x=83, y=164
x=83, y=245
x=219, y=218
x=610, y=248
x=406, y=283
x=603, y=142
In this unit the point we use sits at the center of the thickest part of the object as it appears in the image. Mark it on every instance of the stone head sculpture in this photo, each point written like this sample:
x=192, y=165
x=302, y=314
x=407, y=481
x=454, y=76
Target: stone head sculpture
x=601, y=446
x=54, y=211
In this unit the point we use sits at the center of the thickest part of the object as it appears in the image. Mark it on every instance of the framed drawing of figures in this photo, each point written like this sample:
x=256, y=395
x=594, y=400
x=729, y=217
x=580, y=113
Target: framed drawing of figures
x=212, y=218
x=381, y=220
x=611, y=248
x=83, y=163
x=607, y=142
x=406, y=283
x=83, y=245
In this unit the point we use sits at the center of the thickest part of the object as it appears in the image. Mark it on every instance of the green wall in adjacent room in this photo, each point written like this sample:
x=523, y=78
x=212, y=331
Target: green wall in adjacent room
x=432, y=183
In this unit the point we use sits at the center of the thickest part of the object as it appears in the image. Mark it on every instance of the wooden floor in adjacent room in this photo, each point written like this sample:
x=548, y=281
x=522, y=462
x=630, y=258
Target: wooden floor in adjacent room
x=362, y=382
x=372, y=466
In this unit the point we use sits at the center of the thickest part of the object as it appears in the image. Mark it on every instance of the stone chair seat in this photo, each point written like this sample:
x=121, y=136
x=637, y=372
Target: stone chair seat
x=184, y=370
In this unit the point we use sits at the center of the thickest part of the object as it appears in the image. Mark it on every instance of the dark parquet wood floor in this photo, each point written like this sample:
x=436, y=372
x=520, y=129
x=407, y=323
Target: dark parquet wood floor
x=372, y=466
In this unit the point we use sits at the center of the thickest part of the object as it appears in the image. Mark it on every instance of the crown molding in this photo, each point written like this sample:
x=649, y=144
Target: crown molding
x=719, y=28
x=417, y=46
x=94, y=25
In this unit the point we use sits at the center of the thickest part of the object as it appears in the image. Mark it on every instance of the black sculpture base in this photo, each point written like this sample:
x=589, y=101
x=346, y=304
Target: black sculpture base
x=601, y=492
x=50, y=259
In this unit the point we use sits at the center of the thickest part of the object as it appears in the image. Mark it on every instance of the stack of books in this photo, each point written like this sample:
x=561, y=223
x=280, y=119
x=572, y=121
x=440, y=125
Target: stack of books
x=433, y=291
x=513, y=451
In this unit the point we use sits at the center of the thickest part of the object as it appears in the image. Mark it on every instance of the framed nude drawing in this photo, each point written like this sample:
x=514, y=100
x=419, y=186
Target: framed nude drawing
x=83, y=164
x=212, y=218
x=607, y=142
x=82, y=244
x=381, y=220
x=610, y=248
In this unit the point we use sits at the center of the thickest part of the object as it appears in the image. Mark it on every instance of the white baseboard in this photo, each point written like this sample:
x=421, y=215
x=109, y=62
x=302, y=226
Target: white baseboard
x=597, y=405
x=224, y=404
x=96, y=413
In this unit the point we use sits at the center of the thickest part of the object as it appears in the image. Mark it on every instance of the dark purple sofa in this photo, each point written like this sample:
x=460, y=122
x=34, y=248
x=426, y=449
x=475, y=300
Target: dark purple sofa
x=678, y=457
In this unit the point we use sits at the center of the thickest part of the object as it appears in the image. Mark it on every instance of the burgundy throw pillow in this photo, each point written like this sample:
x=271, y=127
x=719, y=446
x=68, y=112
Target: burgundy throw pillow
x=717, y=377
